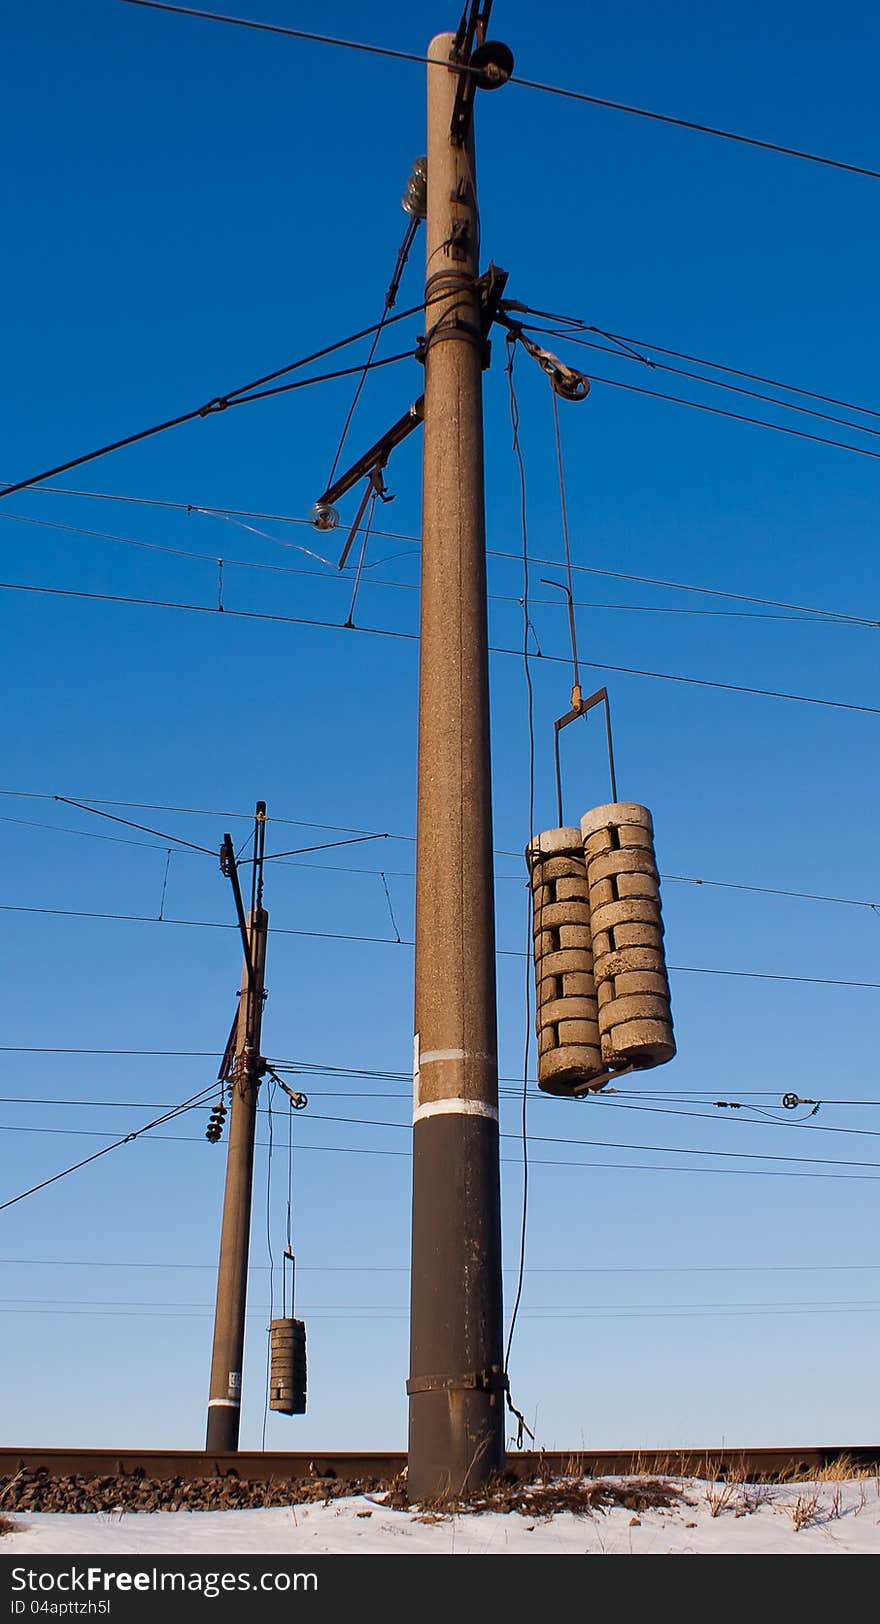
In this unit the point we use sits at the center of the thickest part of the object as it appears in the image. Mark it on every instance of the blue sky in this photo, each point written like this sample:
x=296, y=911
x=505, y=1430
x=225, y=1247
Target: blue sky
x=189, y=206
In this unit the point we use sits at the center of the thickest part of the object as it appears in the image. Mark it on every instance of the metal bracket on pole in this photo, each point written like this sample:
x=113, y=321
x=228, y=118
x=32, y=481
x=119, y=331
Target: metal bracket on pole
x=229, y=867
x=484, y=1381
x=471, y=31
x=489, y=289
x=224, y=1075
x=372, y=463
x=490, y=65
x=376, y=457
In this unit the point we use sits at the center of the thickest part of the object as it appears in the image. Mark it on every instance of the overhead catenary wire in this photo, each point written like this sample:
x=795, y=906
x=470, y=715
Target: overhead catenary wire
x=614, y=1167
x=514, y=1095
x=407, y=942
x=510, y=1088
x=684, y=879
x=539, y=1311
x=227, y=614
x=334, y=1069
x=598, y=1144
x=395, y=535
x=400, y=1268
x=518, y=79
x=52, y=1308
x=800, y=616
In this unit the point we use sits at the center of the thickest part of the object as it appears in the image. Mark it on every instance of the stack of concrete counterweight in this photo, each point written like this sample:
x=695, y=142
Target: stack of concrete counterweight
x=287, y=1372
x=602, y=995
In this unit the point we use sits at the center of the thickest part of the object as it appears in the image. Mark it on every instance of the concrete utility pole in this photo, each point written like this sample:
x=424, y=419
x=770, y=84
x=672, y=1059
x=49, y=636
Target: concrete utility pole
x=224, y=1402
x=456, y=1386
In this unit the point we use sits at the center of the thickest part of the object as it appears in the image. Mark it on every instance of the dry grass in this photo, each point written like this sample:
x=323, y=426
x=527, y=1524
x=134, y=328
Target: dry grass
x=803, y=1512
x=721, y=1496
x=754, y=1495
x=577, y=1494
x=11, y=1485
x=841, y=1470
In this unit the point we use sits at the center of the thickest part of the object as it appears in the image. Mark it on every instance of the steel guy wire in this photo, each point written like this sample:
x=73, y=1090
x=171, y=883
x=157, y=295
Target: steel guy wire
x=516, y=79
x=699, y=377
x=200, y=1098
x=220, y=404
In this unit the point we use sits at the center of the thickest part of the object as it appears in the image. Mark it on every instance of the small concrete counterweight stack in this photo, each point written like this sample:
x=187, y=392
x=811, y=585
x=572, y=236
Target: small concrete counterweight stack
x=567, y=1011
x=287, y=1378
x=635, y=1020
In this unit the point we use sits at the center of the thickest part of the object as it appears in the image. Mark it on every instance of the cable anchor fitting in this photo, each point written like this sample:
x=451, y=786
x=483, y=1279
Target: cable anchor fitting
x=566, y=381
x=297, y=1100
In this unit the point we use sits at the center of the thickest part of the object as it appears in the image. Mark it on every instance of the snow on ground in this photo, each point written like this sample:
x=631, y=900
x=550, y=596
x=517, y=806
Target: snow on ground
x=844, y=1518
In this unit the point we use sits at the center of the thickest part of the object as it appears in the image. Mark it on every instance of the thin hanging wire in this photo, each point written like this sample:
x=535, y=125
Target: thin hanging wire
x=363, y=553
x=165, y=882
x=288, y=1254
x=271, y=1264
x=390, y=297
x=565, y=536
x=388, y=900
x=514, y=420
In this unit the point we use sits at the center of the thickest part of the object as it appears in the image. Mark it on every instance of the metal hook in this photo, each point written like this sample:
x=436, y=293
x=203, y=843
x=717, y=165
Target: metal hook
x=562, y=587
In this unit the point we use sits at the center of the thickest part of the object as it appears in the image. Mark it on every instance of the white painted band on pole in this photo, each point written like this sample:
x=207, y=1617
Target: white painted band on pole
x=433, y=1056
x=455, y=1107
x=224, y=1403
